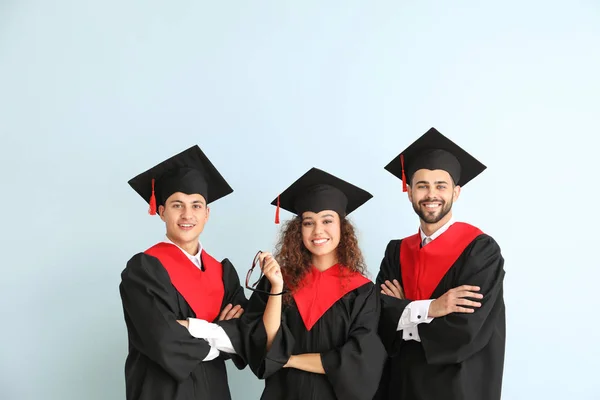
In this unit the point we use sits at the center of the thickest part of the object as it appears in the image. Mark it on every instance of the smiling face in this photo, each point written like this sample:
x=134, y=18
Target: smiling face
x=184, y=216
x=321, y=232
x=432, y=193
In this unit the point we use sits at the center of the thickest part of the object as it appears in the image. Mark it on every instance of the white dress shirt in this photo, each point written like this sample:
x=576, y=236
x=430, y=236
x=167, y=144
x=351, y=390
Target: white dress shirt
x=201, y=329
x=416, y=311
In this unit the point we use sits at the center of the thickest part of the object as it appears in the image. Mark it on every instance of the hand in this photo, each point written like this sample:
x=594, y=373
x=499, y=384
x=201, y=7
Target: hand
x=185, y=323
x=230, y=312
x=271, y=269
x=289, y=362
x=309, y=362
x=393, y=290
x=453, y=300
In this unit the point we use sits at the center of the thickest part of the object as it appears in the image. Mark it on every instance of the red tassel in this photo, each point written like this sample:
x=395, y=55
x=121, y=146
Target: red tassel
x=152, y=209
x=277, y=212
x=404, y=188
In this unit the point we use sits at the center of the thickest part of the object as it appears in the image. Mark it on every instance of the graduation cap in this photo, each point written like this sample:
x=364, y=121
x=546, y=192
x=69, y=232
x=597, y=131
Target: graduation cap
x=189, y=172
x=435, y=151
x=318, y=190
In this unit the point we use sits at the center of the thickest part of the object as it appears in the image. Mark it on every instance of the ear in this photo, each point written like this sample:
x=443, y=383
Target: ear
x=161, y=212
x=207, y=213
x=409, y=192
x=456, y=193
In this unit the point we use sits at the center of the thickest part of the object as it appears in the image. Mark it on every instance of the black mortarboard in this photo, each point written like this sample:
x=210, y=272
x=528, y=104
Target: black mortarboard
x=189, y=172
x=435, y=151
x=318, y=190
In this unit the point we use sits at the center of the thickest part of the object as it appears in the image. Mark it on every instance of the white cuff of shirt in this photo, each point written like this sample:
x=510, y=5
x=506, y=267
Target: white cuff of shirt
x=212, y=354
x=414, y=314
x=212, y=333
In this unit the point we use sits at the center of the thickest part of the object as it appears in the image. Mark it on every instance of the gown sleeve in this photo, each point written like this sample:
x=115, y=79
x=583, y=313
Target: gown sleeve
x=391, y=307
x=264, y=363
x=354, y=369
x=149, y=304
x=455, y=337
x=234, y=294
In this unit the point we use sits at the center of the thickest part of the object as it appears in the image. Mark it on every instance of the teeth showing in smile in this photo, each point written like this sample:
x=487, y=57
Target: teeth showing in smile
x=186, y=225
x=320, y=241
x=432, y=205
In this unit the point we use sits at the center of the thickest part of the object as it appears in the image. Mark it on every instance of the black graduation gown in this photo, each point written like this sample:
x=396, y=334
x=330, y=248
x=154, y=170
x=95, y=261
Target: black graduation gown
x=460, y=356
x=346, y=337
x=164, y=360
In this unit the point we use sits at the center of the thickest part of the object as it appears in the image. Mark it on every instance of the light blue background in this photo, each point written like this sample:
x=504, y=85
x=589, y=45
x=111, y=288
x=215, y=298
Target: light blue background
x=92, y=93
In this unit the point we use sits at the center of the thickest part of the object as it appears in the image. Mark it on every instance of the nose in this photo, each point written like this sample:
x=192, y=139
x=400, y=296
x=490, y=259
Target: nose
x=432, y=193
x=318, y=227
x=186, y=212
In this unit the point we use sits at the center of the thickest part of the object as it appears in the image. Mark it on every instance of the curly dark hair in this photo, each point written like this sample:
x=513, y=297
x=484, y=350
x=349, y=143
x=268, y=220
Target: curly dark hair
x=295, y=259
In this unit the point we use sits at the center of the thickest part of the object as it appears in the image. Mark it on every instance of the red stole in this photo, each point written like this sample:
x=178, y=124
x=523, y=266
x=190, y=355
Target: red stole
x=424, y=267
x=203, y=291
x=318, y=291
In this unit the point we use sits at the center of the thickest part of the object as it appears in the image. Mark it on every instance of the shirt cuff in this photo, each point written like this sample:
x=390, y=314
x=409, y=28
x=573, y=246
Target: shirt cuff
x=419, y=311
x=212, y=354
x=411, y=333
x=414, y=313
x=212, y=333
x=199, y=328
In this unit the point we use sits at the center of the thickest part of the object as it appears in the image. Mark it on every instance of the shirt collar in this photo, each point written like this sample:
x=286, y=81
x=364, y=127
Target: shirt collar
x=196, y=259
x=437, y=233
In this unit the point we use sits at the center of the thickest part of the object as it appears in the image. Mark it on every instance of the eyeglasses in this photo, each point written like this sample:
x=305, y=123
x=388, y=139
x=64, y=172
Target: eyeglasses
x=253, y=286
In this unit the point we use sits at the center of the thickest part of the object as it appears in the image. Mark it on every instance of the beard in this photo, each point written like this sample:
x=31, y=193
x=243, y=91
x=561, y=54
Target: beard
x=432, y=217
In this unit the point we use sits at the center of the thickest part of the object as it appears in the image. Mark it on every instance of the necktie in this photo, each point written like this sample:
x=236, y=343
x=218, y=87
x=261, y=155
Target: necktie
x=426, y=240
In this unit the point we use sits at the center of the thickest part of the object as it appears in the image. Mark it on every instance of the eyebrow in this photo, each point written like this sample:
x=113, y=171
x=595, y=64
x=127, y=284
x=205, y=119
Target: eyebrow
x=323, y=216
x=193, y=202
x=427, y=183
